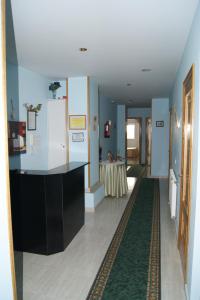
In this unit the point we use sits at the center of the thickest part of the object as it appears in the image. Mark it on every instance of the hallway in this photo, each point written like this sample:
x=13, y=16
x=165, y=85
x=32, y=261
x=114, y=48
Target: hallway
x=70, y=274
x=71, y=77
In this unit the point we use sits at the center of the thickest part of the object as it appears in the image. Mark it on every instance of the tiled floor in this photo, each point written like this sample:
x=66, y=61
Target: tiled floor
x=70, y=274
x=172, y=287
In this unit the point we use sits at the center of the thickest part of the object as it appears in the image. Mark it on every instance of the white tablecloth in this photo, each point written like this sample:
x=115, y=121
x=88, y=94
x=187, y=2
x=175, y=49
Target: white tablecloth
x=113, y=176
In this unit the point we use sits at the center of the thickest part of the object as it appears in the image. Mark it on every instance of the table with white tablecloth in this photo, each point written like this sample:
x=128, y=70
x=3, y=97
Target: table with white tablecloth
x=113, y=176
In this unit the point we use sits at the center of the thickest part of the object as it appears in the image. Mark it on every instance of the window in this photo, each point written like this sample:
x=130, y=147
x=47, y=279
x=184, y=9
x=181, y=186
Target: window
x=131, y=131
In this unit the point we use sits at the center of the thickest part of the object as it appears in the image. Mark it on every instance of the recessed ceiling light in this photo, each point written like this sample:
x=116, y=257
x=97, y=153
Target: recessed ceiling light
x=128, y=84
x=82, y=49
x=146, y=70
x=113, y=101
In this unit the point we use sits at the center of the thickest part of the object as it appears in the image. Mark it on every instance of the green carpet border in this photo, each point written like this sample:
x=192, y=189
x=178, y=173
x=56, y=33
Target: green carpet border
x=154, y=282
x=131, y=170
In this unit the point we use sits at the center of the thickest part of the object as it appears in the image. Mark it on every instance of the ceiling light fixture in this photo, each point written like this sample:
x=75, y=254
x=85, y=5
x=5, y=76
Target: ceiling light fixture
x=82, y=49
x=146, y=70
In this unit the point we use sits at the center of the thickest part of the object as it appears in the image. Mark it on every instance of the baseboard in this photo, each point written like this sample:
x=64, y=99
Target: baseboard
x=93, y=197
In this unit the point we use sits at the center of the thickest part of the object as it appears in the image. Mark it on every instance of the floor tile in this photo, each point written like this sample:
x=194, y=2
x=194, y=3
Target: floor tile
x=69, y=275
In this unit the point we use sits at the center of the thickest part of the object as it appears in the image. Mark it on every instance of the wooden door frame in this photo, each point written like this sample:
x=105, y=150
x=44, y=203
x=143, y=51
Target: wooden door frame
x=170, y=137
x=4, y=147
x=140, y=136
x=190, y=76
x=146, y=138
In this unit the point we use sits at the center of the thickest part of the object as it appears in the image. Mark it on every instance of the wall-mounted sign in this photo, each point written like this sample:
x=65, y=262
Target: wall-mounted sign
x=31, y=120
x=77, y=122
x=16, y=137
x=78, y=137
x=159, y=123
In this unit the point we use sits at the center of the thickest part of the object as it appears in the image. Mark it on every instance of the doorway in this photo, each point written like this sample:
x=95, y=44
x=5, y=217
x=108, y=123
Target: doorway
x=148, y=140
x=133, y=140
x=186, y=169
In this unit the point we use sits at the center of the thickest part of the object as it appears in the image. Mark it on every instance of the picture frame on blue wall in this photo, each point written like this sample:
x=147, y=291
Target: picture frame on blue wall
x=77, y=137
x=77, y=122
x=31, y=120
x=16, y=137
x=159, y=123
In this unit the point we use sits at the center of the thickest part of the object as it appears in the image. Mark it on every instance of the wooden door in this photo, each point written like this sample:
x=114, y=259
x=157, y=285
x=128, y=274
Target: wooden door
x=148, y=140
x=187, y=126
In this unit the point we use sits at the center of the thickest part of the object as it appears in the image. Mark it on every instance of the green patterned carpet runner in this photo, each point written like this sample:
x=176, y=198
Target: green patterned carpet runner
x=135, y=171
x=131, y=267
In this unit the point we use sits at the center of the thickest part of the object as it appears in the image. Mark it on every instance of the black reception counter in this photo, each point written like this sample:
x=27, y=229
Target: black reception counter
x=56, y=171
x=47, y=207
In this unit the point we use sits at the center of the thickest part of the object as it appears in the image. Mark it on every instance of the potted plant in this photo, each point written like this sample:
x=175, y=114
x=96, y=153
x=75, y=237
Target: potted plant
x=53, y=87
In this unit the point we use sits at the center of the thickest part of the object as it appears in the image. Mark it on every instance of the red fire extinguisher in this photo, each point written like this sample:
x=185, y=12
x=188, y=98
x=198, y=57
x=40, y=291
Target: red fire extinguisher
x=107, y=130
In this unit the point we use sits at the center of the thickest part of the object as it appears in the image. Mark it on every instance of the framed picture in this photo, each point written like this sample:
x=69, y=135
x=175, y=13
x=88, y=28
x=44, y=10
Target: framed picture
x=31, y=120
x=16, y=137
x=159, y=123
x=77, y=122
x=78, y=137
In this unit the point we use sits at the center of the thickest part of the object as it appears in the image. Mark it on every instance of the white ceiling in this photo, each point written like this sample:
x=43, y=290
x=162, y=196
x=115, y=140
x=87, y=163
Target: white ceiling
x=122, y=37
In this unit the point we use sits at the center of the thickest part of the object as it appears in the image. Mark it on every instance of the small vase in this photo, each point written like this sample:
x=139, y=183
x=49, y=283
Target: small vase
x=54, y=94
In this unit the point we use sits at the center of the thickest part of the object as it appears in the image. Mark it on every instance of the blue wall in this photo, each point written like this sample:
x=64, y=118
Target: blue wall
x=25, y=86
x=108, y=111
x=160, y=138
x=141, y=113
x=77, y=105
x=12, y=77
x=121, y=130
x=13, y=95
x=191, y=56
x=12, y=90
x=33, y=89
x=94, y=133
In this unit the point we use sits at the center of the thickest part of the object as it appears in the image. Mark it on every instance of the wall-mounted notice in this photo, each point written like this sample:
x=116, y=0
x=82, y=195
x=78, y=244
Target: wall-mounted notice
x=77, y=122
x=31, y=120
x=78, y=137
x=159, y=123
